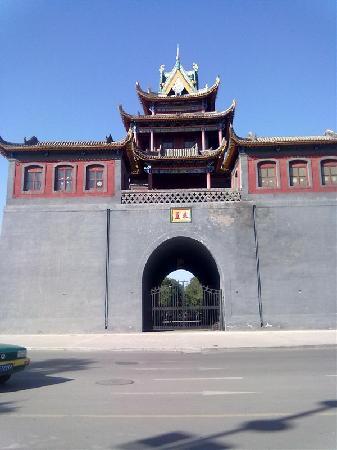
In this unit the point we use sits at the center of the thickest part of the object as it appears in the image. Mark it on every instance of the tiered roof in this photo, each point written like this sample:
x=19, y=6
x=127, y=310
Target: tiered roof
x=197, y=117
x=178, y=103
x=150, y=98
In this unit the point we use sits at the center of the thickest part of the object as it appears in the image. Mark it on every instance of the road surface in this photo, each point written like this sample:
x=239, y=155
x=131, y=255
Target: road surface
x=276, y=399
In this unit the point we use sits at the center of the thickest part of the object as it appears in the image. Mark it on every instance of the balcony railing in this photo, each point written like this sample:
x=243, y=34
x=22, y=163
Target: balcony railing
x=174, y=152
x=180, y=196
x=180, y=152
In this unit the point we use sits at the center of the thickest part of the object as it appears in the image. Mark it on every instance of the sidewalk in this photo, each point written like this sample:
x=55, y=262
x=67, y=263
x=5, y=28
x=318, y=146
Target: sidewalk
x=192, y=341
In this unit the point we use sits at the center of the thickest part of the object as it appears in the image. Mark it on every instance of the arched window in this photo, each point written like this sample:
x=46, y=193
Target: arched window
x=329, y=172
x=298, y=173
x=64, y=178
x=94, y=180
x=32, y=178
x=267, y=174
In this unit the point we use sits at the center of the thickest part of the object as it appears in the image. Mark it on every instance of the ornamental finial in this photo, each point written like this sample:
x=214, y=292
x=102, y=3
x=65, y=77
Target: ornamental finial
x=177, y=55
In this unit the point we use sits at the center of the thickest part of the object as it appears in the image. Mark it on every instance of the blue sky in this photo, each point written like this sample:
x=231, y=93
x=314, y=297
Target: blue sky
x=67, y=65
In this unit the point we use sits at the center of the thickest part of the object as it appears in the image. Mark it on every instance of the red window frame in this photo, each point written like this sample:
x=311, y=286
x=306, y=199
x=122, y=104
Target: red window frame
x=32, y=180
x=329, y=172
x=268, y=179
x=94, y=179
x=64, y=178
x=298, y=174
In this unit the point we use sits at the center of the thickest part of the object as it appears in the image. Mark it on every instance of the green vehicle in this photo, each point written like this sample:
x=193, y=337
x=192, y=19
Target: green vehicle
x=12, y=359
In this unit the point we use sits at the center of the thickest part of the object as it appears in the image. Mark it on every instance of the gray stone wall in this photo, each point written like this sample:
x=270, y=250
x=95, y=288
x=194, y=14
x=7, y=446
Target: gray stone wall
x=297, y=249
x=53, y=258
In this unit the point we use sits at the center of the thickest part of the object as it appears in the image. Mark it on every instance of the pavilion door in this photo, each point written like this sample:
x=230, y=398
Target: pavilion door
x=173, y=310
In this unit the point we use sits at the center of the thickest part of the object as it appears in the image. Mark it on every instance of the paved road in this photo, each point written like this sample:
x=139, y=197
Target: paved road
x=235, y=399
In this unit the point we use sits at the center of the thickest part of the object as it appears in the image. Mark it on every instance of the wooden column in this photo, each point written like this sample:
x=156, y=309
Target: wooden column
x=203, y=139
x=220, y=136
x=208, y=180
x=151, y=141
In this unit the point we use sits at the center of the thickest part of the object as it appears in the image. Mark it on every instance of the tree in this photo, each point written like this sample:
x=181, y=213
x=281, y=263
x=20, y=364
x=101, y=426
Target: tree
x=193, y=293
x=170, y=288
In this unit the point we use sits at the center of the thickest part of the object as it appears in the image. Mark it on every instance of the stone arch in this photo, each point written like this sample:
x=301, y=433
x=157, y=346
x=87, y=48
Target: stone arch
x=178, y=252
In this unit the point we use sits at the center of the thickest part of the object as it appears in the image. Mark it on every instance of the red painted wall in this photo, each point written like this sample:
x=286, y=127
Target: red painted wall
x=78, y=180
x=314, y=165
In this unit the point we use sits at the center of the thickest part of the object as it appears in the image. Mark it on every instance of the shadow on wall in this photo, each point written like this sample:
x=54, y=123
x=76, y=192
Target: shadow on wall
x=186, y=441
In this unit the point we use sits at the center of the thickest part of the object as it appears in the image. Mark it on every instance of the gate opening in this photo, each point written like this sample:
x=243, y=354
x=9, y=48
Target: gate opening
x=173, y=306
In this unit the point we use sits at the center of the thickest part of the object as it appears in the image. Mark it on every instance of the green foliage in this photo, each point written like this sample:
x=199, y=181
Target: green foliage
x=193, y=292
x=171, y=290
x=167, y=287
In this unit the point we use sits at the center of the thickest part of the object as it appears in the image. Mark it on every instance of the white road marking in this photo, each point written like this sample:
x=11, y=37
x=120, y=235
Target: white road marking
x=185, y=393
x=332, y=375
x=159, y=368
x=155, y=416
x=228, y=392
x=178, y=368
x=198, y=379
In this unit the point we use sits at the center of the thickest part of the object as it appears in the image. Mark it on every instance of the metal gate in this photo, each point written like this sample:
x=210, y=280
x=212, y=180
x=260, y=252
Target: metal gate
x=173, y=309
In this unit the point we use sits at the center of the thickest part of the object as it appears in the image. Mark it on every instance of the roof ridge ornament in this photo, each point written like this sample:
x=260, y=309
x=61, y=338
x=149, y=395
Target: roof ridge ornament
x=252, y=135
x=177, y=56
x=330, y=133
x=32, y=141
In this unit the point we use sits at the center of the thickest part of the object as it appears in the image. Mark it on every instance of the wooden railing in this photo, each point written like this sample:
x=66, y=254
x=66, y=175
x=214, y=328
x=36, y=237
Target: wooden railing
x=180, y=152
x=174, y=152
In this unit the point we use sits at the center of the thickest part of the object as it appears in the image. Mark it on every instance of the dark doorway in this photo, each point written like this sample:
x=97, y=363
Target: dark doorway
x=177, y=253
x=179, y=181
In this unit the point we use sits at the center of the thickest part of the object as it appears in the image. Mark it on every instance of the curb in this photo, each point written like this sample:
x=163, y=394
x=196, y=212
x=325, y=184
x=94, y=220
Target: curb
x=175, y=342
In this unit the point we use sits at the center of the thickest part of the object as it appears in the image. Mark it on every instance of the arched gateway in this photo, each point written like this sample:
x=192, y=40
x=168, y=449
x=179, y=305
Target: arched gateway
x=172, y=311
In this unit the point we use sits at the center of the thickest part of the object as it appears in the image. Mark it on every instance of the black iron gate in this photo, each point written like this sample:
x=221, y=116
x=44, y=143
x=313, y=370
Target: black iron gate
x=172, y=309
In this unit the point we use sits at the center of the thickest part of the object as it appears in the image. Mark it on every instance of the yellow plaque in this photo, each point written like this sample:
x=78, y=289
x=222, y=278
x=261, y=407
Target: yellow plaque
x=181, y=215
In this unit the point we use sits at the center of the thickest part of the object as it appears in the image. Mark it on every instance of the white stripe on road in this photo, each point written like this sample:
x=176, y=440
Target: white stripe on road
x=333, y=375
x=185, y=393
x=228, y=392
x=154, y=416
x=178, y=368
x=159, y=368
x=197, y=379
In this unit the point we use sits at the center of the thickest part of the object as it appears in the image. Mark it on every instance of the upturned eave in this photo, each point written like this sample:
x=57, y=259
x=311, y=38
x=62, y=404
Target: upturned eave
x=206, y=156
x=148, y=98
x=180, y=117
